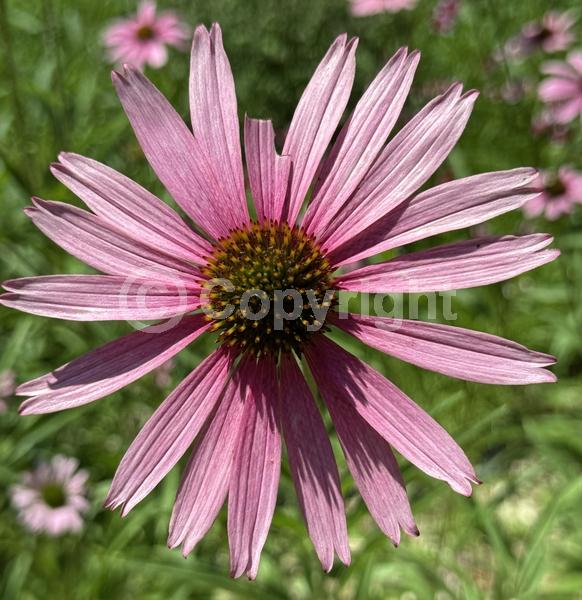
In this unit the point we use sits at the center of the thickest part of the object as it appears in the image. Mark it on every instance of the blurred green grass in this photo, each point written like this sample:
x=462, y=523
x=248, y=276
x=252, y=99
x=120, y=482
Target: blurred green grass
x=519, y=536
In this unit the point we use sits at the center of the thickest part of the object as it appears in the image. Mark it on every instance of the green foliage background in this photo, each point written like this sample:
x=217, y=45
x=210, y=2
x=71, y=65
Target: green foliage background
x=519, y=536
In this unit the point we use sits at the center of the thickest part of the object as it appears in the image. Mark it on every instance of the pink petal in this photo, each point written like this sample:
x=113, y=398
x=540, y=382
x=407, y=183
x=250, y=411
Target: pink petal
x=215, y=118
x=169, y=432
x=565, y=112
x=406, y=163
x=447, y=207
x=316, y=118
x=268, y=172
x=205, y=481
x=313, y=467
x=452, y=351
x=157, y=54
x=105, y=247
x=375, y=470
x=558, y=68
x=455, y=266
x=108, y=368
x=341, y=377
x=361, y=140
x=555, y=89
x=146, y=12
x=99, y=298
x=176, y=156
x=255, y=474
x=575, y=61
x=121, y=202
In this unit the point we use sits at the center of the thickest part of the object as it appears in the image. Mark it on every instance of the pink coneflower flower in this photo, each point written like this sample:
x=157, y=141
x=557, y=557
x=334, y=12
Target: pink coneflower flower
x=51, y=498
x=363, y=8
x=562, y=90
x=7, y=387
x=250, y=393
x=444, y=15
x=561, y=192
x=552, y=34
x=142, y=39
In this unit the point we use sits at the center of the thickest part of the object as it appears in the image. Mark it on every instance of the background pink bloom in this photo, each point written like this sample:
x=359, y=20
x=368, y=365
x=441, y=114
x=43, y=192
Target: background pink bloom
x=361, y=8
x=552, y=34
x=445, y=14
x=142, y=39
x=562, y=90
x=51, y=498
x=561, y=192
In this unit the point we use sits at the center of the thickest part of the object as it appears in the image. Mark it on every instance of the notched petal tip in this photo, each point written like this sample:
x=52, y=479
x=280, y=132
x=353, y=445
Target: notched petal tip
x=471, y=94
x=340, y=40
x=353, y=44
x=24, y=410
x=117, y=77
x=216, y=33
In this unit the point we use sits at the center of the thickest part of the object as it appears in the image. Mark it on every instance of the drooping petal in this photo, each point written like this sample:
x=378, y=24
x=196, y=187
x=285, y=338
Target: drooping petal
x=341, y=377
x=215, y=118
x=375, y=470
x=177, y=157
x=453, y=351
x=108, y=368
x=99, y=298
x=169, y=432
x=316, y=118
x=313, y=467
x=361, y=140
x=255, y=474
x=121, y=202
x=268, y=172
x=466, y=264
x=405, y=164
x=447, y=207
x=204, y=484
x=105, y=247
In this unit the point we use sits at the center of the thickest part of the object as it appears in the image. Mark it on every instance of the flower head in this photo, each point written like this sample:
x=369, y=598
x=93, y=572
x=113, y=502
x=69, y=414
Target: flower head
x=51, y=498
x=142, y=39
x=562, y=89
x=363, y=8
x=561, y=192
x=268, y=288
x=553, y=33
x=445, y=15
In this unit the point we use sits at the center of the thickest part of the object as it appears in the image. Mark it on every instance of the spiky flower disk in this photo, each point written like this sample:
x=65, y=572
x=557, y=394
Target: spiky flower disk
x=258, y=277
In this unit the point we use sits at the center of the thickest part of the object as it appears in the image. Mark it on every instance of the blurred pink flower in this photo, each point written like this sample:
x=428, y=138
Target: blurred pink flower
x=562, y=90
x=7, y=387
x=142, y=39
x=552, y=34
x=561, y=192
x=236, y=407
x=361, y=8
x=51, y=498
x=445, y=15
